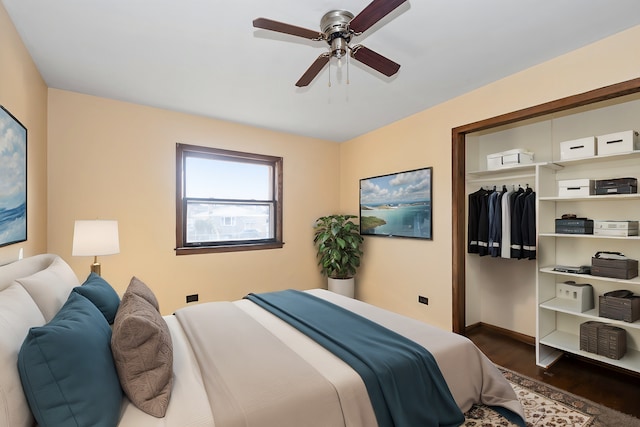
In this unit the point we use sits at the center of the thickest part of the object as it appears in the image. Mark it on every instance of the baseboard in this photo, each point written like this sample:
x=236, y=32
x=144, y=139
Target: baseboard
x=527, y=339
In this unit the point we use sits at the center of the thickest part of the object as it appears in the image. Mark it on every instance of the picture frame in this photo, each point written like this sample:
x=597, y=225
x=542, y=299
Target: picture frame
x=397, y=204
x=13, y=179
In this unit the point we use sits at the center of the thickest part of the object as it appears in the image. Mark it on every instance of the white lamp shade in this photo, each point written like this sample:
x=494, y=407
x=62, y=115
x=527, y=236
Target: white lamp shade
x=95, y=237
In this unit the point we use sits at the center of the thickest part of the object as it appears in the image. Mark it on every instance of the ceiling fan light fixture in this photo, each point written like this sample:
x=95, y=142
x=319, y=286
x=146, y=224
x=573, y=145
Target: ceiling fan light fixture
x=339, y=47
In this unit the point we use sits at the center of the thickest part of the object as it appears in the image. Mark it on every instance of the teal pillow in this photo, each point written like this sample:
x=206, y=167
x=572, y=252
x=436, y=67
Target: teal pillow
x=101, y=294
x=67, y=370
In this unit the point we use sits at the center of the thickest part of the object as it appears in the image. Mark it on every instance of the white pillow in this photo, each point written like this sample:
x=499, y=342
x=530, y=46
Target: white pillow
x=50, y=288
x=18, y=313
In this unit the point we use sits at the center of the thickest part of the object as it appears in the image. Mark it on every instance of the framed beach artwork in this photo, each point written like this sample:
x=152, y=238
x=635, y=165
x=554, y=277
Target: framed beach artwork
x=397, y=205
x=13, y=179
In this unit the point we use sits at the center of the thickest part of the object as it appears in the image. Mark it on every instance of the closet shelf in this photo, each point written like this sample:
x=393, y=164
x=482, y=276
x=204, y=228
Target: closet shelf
x=568, y=342
x=502, y=178
x=588, y=236
x=561, y=305
x=605, y=197
x=550, y=270
x=599, y=158
x=527, y=170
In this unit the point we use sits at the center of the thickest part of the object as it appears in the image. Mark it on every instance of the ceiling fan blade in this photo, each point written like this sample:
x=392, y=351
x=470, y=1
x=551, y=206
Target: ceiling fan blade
x=313, y=70
x=375, y=11
x=280, y=27
x=374, y=60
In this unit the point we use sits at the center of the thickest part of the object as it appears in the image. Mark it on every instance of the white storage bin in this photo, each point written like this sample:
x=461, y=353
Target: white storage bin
x=619, y=142
x=576, y=297
x=576, y=187
x=578, y=148
x=494, y=161
x=509, y=158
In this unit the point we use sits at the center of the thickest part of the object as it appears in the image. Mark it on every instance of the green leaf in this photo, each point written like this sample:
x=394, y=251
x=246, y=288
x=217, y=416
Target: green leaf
x=338, y=243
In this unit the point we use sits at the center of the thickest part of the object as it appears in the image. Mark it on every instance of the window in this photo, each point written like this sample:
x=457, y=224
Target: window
x=227, y=200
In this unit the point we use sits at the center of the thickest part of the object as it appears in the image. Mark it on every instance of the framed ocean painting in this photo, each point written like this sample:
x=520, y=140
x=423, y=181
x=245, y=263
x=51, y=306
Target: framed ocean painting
x=397, y=205
x=13, y=179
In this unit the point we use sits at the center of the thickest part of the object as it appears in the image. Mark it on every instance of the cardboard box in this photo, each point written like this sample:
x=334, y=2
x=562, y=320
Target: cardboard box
x=625, y=309
x=618, y=142
x=509, y=158
x=615, y=268
x=603, y=339
x=612, y=341
x=589, y=336
x=578, y=148
x=576, y=187
x=494, y=161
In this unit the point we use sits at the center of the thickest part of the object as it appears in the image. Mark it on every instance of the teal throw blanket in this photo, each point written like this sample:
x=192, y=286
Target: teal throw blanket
x=404, y=382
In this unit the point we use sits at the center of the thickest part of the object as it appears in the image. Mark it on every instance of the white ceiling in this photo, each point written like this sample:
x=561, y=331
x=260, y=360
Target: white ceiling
x=204, y=57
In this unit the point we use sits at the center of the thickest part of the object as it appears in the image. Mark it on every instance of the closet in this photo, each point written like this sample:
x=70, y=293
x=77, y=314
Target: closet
x=501, y=290
x=514, y=294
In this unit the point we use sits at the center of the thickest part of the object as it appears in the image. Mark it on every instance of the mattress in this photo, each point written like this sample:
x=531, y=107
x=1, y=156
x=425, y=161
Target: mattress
x=238, y=365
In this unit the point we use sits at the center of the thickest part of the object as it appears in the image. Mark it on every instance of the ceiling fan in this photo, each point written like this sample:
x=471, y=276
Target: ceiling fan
x=338, y=27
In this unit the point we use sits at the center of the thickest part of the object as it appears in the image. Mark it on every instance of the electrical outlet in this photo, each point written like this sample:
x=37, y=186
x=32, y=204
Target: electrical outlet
x=423, y=300
x=192, y=298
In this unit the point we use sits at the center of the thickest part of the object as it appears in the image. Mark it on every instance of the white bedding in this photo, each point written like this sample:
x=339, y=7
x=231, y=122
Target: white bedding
x=236, y=365
x=285, y=382
x=189, y=405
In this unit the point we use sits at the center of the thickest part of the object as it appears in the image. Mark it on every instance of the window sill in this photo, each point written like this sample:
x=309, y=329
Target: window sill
x=194, y=250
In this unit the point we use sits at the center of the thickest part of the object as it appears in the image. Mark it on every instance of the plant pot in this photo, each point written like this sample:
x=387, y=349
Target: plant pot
x=344, y=287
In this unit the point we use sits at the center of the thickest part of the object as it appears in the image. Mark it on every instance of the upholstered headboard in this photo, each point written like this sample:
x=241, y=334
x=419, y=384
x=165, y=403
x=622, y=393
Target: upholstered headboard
x=24, y=267
x=32, y=290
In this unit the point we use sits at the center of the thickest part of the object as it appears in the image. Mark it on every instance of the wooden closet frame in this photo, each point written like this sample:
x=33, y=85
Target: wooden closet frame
x=459, y=198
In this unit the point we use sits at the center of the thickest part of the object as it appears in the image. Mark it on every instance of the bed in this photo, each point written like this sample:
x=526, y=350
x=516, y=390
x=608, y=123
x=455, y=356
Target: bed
x=218, y=364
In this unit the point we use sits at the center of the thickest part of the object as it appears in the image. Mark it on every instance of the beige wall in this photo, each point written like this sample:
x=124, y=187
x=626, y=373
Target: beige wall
x=396, y=271
x=115, y=160
x=24, y=94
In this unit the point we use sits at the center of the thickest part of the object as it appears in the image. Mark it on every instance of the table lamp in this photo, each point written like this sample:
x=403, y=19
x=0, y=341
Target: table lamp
x=94, y=238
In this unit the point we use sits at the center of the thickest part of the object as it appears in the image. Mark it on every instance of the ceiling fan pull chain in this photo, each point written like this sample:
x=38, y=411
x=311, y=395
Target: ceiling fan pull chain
x=347, y=56
x=346, y=91
x=329, y=72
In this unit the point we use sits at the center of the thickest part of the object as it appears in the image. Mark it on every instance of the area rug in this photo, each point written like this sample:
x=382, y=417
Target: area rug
x=547, y=406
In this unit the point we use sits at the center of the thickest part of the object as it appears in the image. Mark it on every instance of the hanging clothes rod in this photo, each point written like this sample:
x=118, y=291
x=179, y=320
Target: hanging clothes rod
x=502, y=187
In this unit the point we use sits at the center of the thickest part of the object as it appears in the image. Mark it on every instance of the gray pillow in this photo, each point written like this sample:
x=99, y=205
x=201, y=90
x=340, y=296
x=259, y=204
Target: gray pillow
x=138, y=287
x=143, y=352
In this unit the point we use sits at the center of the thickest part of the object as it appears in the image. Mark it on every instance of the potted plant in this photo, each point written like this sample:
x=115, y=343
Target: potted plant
x=338, y=241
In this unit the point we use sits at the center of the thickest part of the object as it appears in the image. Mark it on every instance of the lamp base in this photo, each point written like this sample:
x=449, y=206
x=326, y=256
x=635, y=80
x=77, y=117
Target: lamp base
x=95, y=268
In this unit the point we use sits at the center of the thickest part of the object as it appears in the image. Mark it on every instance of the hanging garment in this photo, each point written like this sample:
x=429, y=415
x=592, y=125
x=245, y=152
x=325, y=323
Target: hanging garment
x=473, y=220
x=528, y=226
x=483, y=225
x=505, y=245
x=516, y=221
x=495, y=224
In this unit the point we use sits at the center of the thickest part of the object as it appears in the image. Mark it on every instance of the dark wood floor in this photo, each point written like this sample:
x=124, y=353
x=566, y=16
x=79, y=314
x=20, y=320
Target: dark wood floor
x=614, y=389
